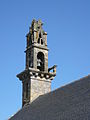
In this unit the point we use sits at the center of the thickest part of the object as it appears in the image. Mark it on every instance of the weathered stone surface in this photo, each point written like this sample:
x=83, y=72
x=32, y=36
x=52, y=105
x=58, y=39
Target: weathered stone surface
x=71, y=102
x=34, y=83
x=39, y=87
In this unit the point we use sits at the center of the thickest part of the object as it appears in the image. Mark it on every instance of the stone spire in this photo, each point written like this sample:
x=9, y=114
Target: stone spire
x=36, y=78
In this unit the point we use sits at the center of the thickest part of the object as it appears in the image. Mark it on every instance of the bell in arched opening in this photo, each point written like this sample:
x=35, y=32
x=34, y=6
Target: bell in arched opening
x=40, y=61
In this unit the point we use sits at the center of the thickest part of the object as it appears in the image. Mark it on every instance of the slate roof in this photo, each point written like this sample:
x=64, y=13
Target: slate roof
x=71, y=102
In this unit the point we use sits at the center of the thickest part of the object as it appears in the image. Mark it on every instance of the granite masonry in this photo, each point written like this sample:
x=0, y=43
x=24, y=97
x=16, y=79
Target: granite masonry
x=36, y=78
x=70, y=102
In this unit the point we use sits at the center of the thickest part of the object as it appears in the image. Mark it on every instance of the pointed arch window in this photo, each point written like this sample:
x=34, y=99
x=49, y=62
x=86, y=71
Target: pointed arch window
x=40, y=40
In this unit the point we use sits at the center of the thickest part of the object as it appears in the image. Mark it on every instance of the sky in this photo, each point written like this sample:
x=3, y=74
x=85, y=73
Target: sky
x=67, y=23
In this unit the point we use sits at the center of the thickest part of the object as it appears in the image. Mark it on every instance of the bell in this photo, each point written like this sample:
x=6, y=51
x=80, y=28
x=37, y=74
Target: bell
x=38, y=62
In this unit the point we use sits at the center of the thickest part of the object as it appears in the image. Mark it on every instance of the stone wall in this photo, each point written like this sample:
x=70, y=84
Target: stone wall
x=39, y=86
x=71, y=102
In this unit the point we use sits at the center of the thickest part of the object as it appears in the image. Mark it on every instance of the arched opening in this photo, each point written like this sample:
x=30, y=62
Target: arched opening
x=40, y=61
x=41, y=42
x=39, y=38
x=39, y=35
x=26, y=90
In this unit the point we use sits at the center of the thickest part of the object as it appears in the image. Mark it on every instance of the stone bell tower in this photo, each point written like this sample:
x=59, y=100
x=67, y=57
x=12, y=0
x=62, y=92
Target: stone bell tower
x=36, y=78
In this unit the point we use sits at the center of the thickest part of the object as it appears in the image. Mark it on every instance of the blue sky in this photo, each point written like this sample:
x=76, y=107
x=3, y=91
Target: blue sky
x=67, y=23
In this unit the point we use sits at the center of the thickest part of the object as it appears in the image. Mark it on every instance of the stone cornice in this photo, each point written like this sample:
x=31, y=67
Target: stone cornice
x=37, y=46
x=31, y=72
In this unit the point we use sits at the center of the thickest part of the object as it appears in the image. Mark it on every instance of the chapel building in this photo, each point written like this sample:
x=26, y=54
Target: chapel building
x=70, y=102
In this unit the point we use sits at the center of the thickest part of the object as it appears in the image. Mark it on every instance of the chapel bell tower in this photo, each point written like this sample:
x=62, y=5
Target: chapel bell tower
x=36, y=78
